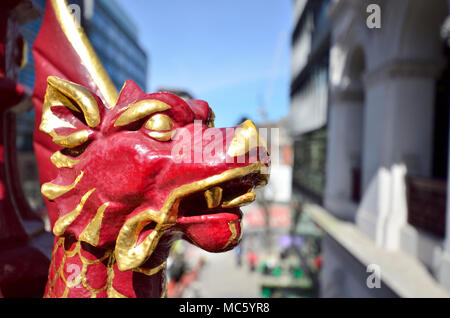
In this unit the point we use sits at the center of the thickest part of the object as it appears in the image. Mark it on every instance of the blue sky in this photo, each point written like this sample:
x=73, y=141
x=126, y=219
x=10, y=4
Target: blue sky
x=233, y=54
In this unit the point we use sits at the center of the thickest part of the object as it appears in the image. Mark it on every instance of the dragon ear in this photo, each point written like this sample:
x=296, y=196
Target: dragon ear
x=70, y=113
x=129, y=93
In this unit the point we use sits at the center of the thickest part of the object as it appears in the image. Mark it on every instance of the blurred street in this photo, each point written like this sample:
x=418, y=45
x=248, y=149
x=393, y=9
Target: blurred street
x=267, y=263
x=222, y=277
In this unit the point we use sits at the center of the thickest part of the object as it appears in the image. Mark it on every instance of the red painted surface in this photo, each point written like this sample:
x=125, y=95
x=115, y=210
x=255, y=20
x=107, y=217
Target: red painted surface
x=131, y=171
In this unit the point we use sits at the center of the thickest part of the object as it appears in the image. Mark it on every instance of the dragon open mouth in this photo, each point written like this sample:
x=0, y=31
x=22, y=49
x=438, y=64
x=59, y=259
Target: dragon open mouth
x=206, y=212
x=222, y=200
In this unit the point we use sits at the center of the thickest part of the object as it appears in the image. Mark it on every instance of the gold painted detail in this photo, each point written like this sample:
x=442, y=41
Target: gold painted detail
x=140, y=110
x=49, y=122
x=61, y=93
x=129, y=255
x=82, y=97
x=242, y=200
x=164, y=293
x=81, y=278
x=91, y=234
x=213, y=197
x=246, y=138
x=73, y=140
x=241, y=227
x=64, y=221
x=80, y=43
x=111, y=292
x=233, y=231
x=62, y=161
x=52, y=191
x=24, y=59
x=159, y=122
x=150, y=271
x=162, y=136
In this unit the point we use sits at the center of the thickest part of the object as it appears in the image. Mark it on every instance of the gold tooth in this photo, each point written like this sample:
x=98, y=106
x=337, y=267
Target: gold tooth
x=242, y=200
x=213, y=197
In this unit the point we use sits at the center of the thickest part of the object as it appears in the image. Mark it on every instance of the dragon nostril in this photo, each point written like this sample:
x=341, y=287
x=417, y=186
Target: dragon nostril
x=245, y=139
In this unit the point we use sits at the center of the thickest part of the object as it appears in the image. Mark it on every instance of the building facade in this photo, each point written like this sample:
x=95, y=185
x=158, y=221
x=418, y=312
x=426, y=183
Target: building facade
x=309, y=96
x=385, y=210
x=114, y=37
x=111, y=32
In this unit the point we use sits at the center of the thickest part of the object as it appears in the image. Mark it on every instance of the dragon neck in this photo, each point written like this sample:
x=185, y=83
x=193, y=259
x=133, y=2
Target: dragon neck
x=80, y=270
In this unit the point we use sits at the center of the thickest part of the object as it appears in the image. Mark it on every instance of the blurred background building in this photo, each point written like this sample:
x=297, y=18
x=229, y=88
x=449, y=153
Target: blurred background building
x=114, y=37
x=380, y=114
x=309, y=96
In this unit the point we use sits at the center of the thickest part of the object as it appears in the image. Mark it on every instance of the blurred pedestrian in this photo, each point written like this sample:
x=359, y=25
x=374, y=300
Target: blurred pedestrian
x=252, y=259
x=238, y=251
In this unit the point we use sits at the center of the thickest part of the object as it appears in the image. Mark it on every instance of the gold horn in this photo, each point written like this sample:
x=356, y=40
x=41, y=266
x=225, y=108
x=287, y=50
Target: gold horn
x=82, y=97
x=246, y=137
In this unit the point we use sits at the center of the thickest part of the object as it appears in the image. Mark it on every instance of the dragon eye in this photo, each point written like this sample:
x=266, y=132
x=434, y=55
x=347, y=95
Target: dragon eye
x=161, y=126
x=159, y=122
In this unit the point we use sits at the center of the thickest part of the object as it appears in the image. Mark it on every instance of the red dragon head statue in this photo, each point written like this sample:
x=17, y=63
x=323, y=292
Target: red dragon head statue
x=132, y=171
x=150, y=165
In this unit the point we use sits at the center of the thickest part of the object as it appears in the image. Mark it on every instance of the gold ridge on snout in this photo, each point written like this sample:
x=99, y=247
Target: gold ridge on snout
x=246, y=137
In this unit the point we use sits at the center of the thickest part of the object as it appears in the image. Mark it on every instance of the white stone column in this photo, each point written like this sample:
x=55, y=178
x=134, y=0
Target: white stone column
x=398, y=130
x=343, y=152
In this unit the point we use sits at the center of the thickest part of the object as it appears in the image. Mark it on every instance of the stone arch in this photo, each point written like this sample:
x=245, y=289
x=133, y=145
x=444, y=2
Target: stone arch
x=405, y=59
